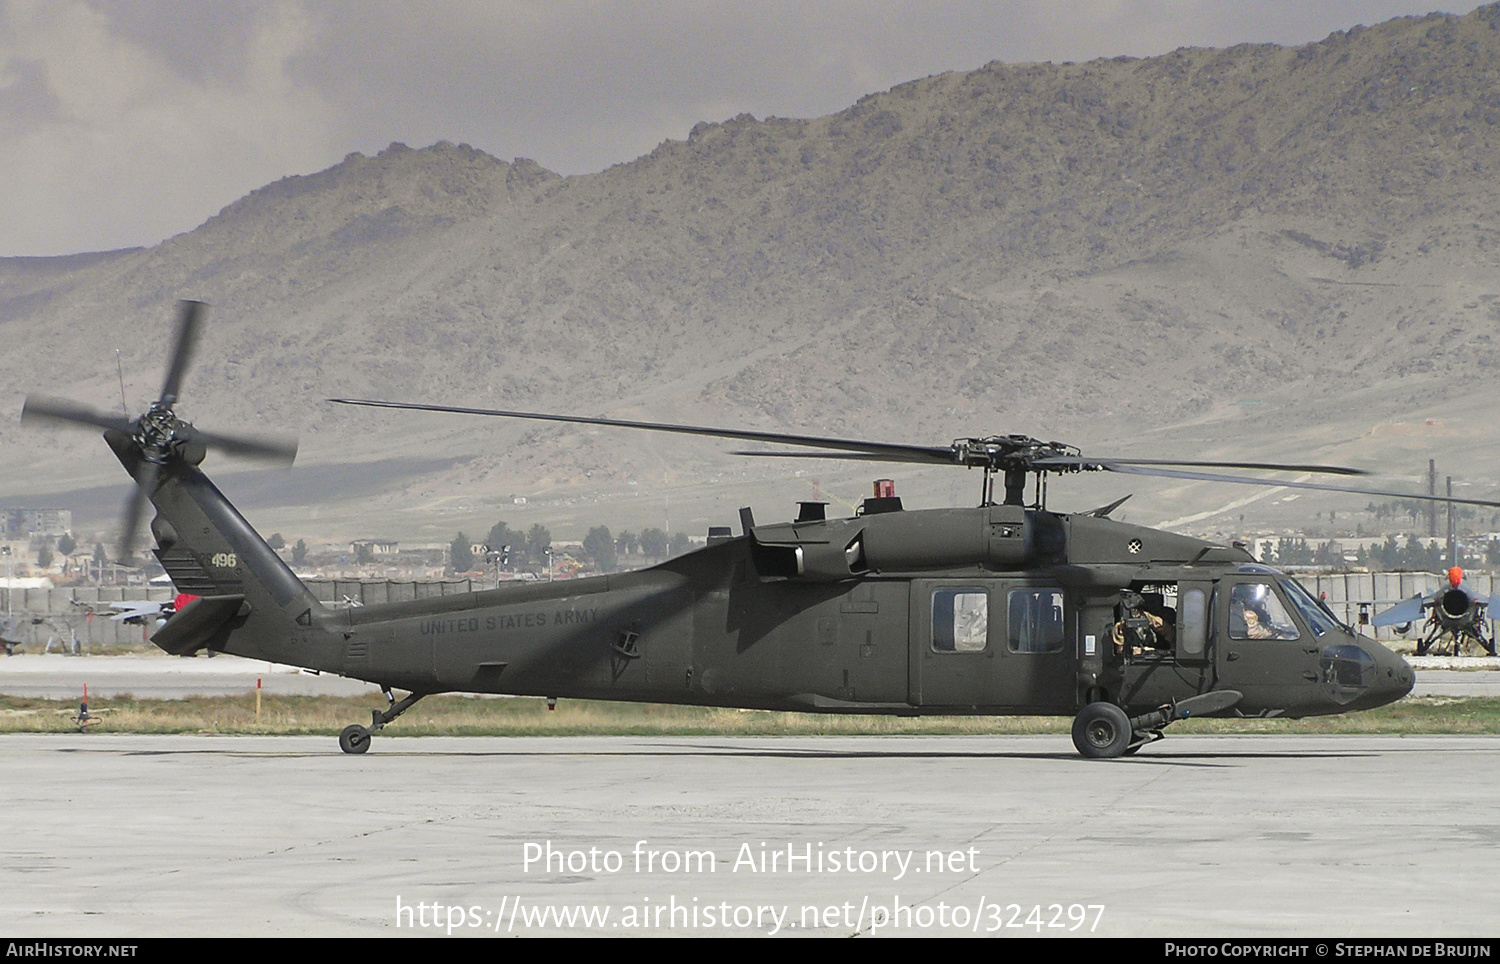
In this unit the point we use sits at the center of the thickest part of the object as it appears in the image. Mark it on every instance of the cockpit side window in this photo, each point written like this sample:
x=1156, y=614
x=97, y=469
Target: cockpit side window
x=1256, y=612
x=1317, y=615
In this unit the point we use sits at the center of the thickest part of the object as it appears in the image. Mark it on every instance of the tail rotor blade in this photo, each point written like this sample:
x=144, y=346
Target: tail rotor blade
x=158, y=438
x=146, y=478
x=279, y=450
x=188, y=325
x=43, y=408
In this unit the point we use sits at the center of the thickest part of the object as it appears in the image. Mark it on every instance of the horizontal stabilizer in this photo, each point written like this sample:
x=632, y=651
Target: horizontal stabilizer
x=193, y=628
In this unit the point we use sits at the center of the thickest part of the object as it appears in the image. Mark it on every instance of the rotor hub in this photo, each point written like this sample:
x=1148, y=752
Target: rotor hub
x=158, y=430
x=159, y=435
x=1010, y=453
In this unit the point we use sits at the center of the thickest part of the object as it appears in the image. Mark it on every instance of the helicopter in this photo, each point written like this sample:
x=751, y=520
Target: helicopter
x=1004, y=608
x=1455, y=613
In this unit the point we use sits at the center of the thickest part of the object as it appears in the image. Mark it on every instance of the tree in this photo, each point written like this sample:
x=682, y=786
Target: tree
x=276, y=542
x=679, y=544
x=1291, y=551
x=460, y=555
x=44, y=554
x=599, y=546
x=1329, y=553
x=66, y=545
x=501, y=535
x=299, y=552
x=364, y=555
x=101, y=558
x=654, y=543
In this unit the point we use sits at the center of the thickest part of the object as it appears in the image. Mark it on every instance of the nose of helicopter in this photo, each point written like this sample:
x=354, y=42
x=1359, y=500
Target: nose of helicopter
x=1394, y=675
x=1361, y=674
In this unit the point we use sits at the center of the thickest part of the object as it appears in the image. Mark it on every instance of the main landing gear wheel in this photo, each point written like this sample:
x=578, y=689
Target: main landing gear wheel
x=354, y=739
x=1102, y=731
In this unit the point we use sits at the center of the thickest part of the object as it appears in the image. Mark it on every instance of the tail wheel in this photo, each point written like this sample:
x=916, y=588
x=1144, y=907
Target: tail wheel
x=354, y=739
x=1101, y=731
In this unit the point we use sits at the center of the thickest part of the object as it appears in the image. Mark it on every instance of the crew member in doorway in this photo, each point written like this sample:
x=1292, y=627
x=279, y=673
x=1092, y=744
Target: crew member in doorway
x=1139, y=629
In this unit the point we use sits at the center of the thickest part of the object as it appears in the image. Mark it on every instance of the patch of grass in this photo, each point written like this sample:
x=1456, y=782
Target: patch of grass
x=525, y=716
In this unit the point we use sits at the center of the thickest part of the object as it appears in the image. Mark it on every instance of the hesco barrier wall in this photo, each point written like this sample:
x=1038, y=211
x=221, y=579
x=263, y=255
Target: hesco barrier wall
x=335, y=592
x=36, y=617
x=1345, y=591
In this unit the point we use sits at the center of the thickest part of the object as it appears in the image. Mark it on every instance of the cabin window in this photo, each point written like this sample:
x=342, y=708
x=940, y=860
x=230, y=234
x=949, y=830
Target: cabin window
x=1036, y=620
x=960, y=620
x=1255, y=612
x=1192, y=612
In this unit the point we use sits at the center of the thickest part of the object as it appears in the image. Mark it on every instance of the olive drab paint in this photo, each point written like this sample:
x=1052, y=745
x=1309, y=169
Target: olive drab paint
x=1002, y=608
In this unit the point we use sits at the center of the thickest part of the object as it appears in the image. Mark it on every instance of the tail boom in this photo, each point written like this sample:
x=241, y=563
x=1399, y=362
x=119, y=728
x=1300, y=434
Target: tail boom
x=251, y=604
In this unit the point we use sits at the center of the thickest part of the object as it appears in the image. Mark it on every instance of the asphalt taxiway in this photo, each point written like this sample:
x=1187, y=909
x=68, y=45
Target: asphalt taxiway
x=1194, y=836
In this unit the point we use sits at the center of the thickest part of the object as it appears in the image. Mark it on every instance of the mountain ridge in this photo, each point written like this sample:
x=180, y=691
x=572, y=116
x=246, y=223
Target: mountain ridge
x=1194, y=249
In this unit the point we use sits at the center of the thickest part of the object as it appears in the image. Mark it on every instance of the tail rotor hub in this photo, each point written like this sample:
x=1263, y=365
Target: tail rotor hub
x=157, y=432
x=159, y=435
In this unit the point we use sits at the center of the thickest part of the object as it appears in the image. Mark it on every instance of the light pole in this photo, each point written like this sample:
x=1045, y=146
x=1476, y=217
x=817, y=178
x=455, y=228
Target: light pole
x=548, y=551
x=501, y=560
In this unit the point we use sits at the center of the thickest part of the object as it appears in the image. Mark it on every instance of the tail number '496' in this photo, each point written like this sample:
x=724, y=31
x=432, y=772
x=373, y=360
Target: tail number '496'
x=222, y=560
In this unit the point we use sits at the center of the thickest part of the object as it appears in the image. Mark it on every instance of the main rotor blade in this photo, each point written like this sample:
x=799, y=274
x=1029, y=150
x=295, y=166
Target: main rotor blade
x=42, y=408
x=1246, y=480
x=182, y=351
x=945, y=456
x=283, y=450
x=1264, y=466
x=936, y=456
x=893, y=451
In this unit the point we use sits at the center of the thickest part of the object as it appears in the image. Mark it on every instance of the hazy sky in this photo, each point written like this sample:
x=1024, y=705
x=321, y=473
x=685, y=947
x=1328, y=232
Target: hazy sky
x=123, y=122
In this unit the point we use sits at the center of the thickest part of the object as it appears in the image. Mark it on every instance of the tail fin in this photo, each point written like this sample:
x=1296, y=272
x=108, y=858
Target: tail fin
x=250, y=603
